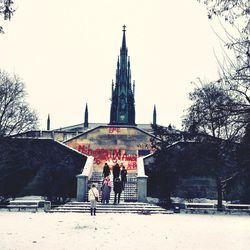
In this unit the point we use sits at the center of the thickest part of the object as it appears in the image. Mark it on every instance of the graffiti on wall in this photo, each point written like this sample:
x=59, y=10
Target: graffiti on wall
x=111, y=144
x=110, y=155
x=114, y=130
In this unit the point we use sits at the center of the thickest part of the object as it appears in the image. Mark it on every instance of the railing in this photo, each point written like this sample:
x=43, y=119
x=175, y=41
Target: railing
x=230, y=208
x=82, y=179
x=241, y=207
x=128, y=194
x=199, y=206
x=140, y=167
x=141, y=180
x=88, y=168
x=130, y=190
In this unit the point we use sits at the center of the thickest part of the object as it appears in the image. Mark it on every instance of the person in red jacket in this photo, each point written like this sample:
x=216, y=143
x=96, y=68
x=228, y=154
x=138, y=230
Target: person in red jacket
x=106, y=189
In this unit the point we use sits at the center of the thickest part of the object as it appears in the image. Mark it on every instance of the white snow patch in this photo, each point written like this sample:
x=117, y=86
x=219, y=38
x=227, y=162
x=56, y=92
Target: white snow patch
x=73, y=231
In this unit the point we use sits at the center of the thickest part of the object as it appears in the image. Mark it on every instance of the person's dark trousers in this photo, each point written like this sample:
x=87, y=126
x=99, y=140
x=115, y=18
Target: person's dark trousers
x=94, y=211
x=119, y=195
x=91, y=211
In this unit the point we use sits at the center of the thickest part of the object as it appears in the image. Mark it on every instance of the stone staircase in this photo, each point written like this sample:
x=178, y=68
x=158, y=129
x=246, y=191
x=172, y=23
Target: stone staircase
x=123, y=207
x=129, y=194
x=128, y=200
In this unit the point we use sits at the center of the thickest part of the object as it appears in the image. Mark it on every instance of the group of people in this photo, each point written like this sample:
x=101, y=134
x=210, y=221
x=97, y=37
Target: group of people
x=118, y=186
x=117, y=171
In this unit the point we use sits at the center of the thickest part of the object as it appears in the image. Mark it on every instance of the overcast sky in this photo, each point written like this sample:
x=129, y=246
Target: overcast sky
x=66, y=53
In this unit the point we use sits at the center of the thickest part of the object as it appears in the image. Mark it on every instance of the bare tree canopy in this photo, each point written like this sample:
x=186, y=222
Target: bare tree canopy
x=214, y=112
x=15, y=114
x=232, y=10
x=6, y=11
x=164, y=175
x=235, y=71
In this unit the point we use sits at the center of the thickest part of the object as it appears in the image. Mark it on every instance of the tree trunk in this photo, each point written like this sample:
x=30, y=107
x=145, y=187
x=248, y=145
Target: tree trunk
x=220, y=195
x=168, y=200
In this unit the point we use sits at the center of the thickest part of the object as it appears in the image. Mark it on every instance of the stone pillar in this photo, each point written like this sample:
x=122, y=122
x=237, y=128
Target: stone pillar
x=82, y=187
x=142, y=188
x=47, y=205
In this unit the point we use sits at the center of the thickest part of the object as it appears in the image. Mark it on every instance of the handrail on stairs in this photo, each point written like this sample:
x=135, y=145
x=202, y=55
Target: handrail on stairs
x=88, y=168
x=82, y=179
x=141, y=180
x=140, y=167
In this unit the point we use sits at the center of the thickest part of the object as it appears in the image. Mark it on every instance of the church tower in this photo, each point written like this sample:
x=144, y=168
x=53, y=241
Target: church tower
x=123, y=103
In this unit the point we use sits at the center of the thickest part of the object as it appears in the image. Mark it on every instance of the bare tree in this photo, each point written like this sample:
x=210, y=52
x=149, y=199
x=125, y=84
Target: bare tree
x=212, y=112
x=211, y=115
x=164, y=175
x=15, y=114
x=235, y=72
x=232, y=11
x=6, y=11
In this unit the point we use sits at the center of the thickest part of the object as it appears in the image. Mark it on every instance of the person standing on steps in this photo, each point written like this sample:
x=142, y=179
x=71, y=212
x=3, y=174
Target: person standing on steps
x=93, y=198
x=116, y=171
x=106, y=170
x=123, y=176
x=106, y=188
x=117, y=189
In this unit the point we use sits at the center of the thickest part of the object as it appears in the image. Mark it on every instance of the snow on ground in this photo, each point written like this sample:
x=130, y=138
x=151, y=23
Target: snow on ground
x=73, y=231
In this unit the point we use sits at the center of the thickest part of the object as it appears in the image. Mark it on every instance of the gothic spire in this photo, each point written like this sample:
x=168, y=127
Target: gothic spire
x=48, y=122
x=123, y=53
x=154, y=116
x=124, y=47
x=123, y=103
x=86, y=117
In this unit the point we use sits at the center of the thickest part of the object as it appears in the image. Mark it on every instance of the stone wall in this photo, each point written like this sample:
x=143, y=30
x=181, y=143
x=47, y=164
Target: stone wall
x=113, y=143
x=43, y=167
x=196, y=186
x=45, y=134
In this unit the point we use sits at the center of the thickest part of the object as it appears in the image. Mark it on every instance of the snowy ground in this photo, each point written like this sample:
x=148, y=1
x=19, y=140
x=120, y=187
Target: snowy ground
x=73, y=231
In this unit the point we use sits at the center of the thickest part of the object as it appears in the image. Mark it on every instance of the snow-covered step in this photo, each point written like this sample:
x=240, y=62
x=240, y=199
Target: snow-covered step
x=130, y=191
x=84, y=207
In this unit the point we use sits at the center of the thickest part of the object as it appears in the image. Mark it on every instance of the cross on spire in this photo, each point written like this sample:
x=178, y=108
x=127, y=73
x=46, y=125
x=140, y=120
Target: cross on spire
x=124, y=28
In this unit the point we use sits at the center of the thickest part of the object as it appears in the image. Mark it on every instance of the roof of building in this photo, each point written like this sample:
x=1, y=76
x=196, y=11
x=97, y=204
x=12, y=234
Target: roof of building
x=107, y=126
x=80, y=127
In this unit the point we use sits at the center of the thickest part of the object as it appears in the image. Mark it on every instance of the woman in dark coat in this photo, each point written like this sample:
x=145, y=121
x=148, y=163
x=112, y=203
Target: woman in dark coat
x=117, y=189
x=123, y=177
x=106, y=170
x=116, y=171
